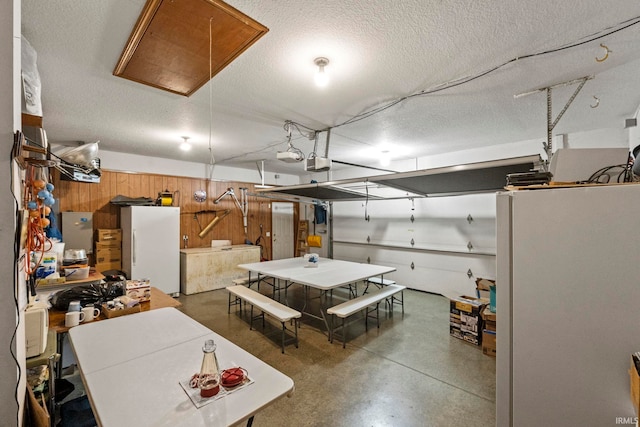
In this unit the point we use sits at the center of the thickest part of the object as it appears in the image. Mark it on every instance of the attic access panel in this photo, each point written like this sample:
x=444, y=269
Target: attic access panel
x=169, y=46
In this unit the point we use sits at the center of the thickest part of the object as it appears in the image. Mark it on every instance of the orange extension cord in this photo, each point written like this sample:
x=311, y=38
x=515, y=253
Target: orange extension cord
x=37, y=242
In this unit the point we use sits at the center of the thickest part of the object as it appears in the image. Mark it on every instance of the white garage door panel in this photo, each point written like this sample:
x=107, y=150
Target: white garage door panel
x=438, y=273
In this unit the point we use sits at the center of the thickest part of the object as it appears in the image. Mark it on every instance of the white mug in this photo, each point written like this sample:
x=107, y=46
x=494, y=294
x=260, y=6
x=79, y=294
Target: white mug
x=74, y=306
x=73, y=318
x=90, y=313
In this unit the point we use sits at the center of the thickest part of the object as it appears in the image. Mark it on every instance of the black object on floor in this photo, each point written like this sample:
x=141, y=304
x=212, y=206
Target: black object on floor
x=64, y=387
x=77, y=413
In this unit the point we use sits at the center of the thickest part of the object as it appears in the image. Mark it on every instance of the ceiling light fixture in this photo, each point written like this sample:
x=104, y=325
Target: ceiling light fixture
x=185, y=146
x=321, y=77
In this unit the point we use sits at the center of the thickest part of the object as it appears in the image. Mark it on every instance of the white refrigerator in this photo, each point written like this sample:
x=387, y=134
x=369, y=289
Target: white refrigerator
x=568, y=320
x=151, y=245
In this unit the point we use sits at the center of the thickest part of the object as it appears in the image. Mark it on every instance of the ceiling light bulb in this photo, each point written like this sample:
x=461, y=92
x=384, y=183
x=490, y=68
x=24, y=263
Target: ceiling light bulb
x=185, y=146
x=321, y=77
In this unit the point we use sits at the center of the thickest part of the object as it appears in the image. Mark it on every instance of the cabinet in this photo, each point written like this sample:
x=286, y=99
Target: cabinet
x=206, y=269
x=301, y=238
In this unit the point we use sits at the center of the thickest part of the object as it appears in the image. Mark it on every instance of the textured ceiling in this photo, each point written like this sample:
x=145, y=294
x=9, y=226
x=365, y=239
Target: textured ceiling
x=379, y=51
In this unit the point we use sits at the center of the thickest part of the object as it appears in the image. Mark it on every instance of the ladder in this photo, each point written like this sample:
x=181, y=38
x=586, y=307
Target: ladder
x=301, y=238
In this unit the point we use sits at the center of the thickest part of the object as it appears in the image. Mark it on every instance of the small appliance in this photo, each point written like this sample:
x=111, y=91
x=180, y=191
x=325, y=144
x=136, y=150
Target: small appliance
x=36, y=328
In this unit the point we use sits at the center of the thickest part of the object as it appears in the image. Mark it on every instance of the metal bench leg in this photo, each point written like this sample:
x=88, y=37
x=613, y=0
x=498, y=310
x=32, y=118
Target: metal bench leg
x=331, y=328
x=283, y=329
x=295, y=325
x=353, y=290
x=378, y=314
x=344, y=334
x=251, y=319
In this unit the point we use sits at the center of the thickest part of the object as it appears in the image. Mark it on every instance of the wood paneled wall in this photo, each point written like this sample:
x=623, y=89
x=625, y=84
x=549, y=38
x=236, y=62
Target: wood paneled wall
x=90, y=197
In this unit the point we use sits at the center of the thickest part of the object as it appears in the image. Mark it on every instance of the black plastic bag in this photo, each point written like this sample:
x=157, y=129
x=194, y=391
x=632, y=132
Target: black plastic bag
x=95, y=294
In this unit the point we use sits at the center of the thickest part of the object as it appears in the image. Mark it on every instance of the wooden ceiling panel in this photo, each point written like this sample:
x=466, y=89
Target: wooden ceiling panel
x=169, y=45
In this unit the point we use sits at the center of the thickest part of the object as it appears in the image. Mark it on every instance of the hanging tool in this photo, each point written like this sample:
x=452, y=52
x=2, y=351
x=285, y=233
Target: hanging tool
x=244, y=209
x=213, y=223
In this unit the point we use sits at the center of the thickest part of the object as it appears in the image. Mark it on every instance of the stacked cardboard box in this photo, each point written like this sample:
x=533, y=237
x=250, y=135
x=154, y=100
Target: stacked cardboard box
x=489, y=332
x=108, y=249
x=465, y=321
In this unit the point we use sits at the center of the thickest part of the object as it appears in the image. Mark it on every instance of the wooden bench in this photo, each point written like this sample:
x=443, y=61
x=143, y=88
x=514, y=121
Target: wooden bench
x=266, y=305
x=364, y=302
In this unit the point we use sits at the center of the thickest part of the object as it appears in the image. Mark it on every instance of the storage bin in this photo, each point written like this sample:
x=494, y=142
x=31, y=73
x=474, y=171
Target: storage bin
x=76, y=273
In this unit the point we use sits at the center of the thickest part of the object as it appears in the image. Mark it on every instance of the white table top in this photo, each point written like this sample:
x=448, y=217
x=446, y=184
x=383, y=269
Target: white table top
x=117, y=341
x=280, y=268
x=136, y=380
x=329, y=273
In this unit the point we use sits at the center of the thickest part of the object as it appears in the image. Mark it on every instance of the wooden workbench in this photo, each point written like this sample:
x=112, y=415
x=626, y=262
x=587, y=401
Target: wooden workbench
x=158, y=300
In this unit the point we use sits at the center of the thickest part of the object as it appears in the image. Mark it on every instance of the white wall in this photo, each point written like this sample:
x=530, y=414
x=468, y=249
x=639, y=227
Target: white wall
x=11, y=317
x=135, y=163
x=440, y=230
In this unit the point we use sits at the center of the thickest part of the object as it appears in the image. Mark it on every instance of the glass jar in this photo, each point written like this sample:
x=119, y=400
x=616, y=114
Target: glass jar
x=209, y=379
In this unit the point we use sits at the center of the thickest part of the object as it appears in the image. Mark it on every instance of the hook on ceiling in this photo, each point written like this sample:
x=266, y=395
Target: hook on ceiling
x=606, y=53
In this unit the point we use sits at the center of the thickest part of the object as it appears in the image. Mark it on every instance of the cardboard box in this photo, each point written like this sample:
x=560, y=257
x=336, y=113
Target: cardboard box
x=634, y=379
x=108, y=234
x=489, y=319
x=109, y=313
x=108, y=244
x=108, y=255
x=486, y=288
x=465, y=320
x=138, y=289
x=105, y=266
x=489, y=343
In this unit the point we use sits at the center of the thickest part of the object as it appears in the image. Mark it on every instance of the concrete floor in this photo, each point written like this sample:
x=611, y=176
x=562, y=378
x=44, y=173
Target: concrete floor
x=410, y=372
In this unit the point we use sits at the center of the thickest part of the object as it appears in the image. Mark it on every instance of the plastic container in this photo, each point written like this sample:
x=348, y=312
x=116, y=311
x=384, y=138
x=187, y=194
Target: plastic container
x=58, y=248
x=77, y=273
x=48, y=264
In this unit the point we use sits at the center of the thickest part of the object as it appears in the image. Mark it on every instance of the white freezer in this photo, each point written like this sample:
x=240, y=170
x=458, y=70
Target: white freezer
x=567, y=305
x=151, y=245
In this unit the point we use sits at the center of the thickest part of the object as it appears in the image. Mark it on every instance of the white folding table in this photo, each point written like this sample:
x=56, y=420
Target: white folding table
x=327, y=275
x=132, y=365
